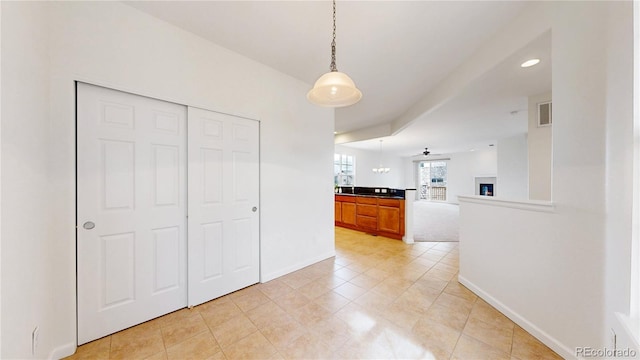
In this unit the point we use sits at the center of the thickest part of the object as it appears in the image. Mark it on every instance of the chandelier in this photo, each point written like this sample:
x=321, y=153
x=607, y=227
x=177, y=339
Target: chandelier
x=380, y=169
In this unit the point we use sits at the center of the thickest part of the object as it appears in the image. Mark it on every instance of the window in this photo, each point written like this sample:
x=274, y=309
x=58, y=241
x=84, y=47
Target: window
x=344, y=170
x=433, y=180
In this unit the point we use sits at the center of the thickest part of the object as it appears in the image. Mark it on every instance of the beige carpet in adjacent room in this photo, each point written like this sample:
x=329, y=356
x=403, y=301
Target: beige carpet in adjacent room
x=435, y=221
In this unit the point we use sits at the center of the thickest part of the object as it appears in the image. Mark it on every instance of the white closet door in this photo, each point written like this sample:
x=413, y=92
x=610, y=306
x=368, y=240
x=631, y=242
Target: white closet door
x=223, y=204
x=132, y=206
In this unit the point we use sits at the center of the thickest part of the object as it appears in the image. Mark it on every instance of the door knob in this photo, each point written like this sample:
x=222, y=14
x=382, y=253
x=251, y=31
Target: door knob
x=254, y=209
x=88, y=225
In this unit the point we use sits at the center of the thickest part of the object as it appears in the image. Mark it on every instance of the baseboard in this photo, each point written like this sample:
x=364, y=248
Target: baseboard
x=63, y=351
x=276, y=274
x=538, y=333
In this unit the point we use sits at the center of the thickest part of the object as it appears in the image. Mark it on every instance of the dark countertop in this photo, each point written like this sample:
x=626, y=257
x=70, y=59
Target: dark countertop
x=374, y=192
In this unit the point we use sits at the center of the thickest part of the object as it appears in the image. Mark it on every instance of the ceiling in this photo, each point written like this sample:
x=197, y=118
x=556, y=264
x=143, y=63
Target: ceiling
x=396, y=52
x=492, y=107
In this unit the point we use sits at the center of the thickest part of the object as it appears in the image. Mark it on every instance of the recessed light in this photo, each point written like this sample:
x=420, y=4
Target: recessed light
x=472, y=150
x=529, y=63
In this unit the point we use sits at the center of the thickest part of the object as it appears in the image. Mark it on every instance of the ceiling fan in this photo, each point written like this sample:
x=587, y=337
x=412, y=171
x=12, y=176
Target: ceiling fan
x=427, y=153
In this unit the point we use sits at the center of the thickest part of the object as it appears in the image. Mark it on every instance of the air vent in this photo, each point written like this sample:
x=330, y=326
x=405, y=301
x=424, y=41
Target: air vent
x=544, y=114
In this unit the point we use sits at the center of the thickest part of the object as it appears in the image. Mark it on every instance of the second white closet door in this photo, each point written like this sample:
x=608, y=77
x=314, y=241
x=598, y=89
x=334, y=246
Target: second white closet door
x=223, y=224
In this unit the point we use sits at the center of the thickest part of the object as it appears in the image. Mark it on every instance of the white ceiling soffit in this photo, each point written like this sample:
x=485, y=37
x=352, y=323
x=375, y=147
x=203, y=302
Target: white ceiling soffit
x=492, y=107
x=396, y=51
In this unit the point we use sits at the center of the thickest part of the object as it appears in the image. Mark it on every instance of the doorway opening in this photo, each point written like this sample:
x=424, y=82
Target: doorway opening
x=433, y=180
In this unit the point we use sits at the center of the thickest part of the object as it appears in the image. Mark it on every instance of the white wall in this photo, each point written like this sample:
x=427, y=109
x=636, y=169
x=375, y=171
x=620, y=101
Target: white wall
x=539, y=141
x=513, y=169
x=367, y=160
x=561, y=273
x=26, y=217
x=465, y=167
x=619, y=169
x=47, y=46
x=0, y=180
x=462, y=169
x=579, y=157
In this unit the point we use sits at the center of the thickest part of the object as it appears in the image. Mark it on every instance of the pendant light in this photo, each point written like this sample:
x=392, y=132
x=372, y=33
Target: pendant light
x=380, y=169
x=334, y=89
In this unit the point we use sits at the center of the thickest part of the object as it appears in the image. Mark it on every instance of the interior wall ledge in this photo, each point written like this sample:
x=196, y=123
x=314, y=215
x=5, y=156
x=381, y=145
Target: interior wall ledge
x=531, y=205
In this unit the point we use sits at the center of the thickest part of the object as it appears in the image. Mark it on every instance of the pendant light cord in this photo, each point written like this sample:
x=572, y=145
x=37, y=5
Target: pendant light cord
x=333, y=42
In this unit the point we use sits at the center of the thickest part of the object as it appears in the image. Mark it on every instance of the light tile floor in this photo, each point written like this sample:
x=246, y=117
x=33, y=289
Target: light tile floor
x=377, y=299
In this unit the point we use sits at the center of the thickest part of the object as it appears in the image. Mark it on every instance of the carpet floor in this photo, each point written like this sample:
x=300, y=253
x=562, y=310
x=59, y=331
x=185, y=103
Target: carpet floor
x=435, y=221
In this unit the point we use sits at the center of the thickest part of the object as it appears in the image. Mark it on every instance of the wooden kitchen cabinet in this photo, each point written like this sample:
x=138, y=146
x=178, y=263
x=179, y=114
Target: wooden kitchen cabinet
x=349, y=213
x=373, y=215
x=389, y=219
x=367, y=210
x=367, y=213
x=345, y=207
